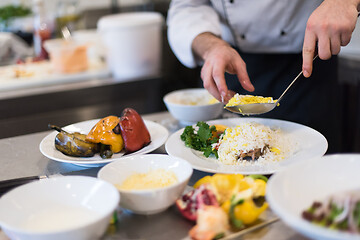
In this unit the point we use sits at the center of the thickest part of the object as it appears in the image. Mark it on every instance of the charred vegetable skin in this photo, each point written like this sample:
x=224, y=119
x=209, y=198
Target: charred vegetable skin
x=74, y=144
x=107, y=132
x=133, y=130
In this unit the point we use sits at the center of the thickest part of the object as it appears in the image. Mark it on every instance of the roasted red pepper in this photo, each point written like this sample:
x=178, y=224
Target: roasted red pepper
x=133, y=130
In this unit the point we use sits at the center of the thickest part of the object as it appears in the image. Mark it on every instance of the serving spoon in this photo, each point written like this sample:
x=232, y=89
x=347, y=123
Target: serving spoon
x=260, y=108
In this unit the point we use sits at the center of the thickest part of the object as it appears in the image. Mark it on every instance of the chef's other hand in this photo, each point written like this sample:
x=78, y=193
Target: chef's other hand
x=329, y=27
x=219, y=57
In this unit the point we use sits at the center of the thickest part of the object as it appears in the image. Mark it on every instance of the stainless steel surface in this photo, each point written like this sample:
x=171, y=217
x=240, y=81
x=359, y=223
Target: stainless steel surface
x=261, y=108
x=252, y=228
x=66, y=33
x=20, y=157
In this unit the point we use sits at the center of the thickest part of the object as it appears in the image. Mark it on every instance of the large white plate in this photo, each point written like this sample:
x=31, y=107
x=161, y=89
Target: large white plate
x=158, y=135
x=292, y=190
x=309, y=143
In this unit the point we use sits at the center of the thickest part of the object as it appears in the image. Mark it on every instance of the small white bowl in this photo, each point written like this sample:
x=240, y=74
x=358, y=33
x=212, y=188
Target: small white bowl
x=71, y=207
x=291, y=191
x=153, y=200
x=190, y=106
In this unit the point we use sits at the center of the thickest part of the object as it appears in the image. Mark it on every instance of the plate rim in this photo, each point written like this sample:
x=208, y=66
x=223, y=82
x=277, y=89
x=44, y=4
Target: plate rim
x=238, y=120
x=95, y=163
x=300, y=225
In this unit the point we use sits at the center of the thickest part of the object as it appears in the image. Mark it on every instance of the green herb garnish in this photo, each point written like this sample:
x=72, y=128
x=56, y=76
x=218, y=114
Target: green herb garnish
x=202, y=139
x=11, y=11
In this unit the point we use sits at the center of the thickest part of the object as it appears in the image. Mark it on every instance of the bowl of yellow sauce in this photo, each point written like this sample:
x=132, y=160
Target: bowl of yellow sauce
x=148, y=184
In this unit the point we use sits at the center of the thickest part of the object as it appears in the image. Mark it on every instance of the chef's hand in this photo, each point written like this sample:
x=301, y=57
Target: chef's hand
x=219, y=57
x=328, y=28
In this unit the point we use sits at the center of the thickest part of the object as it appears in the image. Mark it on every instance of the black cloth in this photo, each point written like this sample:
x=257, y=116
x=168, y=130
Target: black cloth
x=312, y=102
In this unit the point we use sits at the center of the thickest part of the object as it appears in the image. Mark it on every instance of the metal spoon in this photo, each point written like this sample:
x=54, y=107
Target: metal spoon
x=260, y=108
x=66, y=33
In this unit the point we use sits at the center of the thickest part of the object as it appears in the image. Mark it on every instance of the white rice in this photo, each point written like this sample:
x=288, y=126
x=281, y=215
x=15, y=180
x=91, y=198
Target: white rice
x=249, y=136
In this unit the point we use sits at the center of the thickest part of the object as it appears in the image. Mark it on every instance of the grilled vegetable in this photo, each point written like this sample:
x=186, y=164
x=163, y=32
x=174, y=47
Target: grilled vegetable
x=133, y=130
x=107, y=131
x=105, y=151
x=74, y=144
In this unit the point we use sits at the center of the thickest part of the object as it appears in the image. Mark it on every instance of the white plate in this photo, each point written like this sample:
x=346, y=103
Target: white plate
x=309, y=143
x=295, y=188
x=158, y=135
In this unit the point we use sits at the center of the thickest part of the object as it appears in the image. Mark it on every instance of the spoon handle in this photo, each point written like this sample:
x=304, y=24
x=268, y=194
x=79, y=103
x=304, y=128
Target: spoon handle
x=292, y=82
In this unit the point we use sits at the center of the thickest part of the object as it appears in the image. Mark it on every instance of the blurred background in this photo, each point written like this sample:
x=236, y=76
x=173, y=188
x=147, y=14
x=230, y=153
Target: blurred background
x=120, y=58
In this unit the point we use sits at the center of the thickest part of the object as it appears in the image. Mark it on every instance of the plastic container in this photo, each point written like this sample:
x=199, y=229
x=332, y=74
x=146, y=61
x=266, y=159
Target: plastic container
x=133, y=43
x=67, y=56
x=91, y=38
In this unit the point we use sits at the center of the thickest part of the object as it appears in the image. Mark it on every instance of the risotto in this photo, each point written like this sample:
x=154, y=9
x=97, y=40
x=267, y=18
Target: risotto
x=253, y=142
x=238, y=99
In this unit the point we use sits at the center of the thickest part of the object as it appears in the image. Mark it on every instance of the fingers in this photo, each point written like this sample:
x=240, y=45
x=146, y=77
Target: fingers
x=308, y=52
x=335, y=45
x=221, y=59
x=328, y=28
x=345, y=39
x=213, y=76
x=324, y=47
x=208, y=81
x=244, y=77
x=219, y=78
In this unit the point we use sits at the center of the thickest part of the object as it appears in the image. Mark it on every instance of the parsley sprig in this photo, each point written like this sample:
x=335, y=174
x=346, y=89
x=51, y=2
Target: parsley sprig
x=201, y=139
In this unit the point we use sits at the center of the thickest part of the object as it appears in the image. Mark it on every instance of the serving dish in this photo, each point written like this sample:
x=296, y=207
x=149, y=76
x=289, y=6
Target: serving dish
x=294, y=189
x=147, y=201
x=158, y=134
x=71, y=207
x=307, y=141
x=191, y=105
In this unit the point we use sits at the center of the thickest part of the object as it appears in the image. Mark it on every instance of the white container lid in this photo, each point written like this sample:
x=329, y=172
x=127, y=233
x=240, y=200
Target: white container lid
x=129, y=20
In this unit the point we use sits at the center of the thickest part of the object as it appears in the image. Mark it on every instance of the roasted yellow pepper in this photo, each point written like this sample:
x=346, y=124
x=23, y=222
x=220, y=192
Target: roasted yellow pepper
x=107, y=131
x=224, y=185
x=235, y=194
x=243, y=211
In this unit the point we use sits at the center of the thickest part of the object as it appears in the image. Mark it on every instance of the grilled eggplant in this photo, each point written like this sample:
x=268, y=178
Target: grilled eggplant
x=74, y=144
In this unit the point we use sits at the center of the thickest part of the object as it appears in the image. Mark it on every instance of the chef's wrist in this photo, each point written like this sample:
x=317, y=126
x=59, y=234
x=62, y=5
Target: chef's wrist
x=205, y=42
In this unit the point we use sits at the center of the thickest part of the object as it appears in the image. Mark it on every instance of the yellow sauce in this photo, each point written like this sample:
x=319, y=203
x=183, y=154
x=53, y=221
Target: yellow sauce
x=158, y=178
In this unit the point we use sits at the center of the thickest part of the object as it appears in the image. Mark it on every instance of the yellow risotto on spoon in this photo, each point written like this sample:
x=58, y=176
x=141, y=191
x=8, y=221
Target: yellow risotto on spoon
x=238, y=99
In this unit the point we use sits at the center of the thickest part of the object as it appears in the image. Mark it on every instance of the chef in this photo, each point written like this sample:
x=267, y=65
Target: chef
x=259, y=47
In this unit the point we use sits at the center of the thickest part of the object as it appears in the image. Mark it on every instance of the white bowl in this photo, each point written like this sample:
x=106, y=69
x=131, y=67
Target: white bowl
x=72, y=207
x=147, y=201
x=180, y=104
x=294, y=189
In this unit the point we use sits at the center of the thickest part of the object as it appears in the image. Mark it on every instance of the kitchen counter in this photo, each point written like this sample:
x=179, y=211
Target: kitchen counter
x=20, y=157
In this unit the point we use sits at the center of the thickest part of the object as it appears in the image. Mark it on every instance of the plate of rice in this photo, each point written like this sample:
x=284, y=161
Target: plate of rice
x=252, y=146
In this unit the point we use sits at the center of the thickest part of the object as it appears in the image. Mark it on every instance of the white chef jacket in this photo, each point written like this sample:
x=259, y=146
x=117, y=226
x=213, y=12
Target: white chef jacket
x=253, y=26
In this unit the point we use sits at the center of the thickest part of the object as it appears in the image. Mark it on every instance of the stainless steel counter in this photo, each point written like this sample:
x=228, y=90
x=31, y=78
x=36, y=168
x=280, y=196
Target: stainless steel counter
x=21, y=157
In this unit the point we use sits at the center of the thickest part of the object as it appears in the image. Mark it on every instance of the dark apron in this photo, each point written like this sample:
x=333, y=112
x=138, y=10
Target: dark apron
x=313, y=102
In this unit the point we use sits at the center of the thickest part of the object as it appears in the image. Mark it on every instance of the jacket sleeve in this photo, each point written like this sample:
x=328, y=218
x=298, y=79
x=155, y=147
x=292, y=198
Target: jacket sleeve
x=186, y=19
